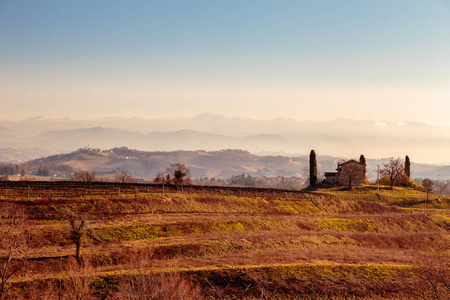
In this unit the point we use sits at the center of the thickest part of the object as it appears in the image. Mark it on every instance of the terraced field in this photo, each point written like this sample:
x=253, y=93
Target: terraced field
x=233, y=244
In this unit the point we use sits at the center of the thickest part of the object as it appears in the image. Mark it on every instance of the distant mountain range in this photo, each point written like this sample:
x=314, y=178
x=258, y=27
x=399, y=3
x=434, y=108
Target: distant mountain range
x=338, y=138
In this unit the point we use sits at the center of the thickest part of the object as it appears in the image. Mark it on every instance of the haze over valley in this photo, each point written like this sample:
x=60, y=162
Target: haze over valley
x=220, y=147
x=340, y=137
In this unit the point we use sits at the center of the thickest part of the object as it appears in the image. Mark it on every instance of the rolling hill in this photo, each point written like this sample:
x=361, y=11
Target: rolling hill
x=340, y=137
x=220, y=164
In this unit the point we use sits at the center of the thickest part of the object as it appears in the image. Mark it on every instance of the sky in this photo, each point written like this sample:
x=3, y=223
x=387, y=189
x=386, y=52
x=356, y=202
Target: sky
x=384, y=60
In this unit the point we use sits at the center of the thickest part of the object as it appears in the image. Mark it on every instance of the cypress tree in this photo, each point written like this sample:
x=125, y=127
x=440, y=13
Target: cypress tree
x=362, y=161
x=312, y=168
x=407, y=167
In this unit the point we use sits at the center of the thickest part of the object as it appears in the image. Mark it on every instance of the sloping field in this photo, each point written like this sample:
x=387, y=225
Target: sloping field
x=151, y=243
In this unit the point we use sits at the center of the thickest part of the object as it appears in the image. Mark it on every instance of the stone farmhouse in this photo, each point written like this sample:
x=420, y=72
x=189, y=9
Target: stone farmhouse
x=351, y=172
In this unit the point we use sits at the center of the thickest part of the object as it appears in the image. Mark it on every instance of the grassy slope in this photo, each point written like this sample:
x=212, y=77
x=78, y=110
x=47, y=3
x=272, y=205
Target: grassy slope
x=313, y=238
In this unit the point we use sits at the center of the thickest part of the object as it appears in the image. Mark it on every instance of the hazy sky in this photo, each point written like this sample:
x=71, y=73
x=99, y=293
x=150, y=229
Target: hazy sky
x=379, y=60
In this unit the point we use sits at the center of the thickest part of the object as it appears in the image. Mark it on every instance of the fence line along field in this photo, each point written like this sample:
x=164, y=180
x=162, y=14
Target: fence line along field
x=98, y=240
x=76, y=188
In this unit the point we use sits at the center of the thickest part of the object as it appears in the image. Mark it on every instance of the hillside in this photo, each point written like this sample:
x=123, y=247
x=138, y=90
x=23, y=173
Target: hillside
x=220, y=164
x=233, y=243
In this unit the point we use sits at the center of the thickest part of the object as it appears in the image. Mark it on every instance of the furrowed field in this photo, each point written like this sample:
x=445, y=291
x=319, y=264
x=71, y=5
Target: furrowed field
x=154, y=242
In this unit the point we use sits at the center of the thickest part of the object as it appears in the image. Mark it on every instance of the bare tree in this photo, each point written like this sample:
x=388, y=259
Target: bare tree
x=179, y=173
x=84, y=176
x=352, y=171
x=78, y=226
x=14, y=245
x=441, y=187
x=427, y=184
x=124, y=177
x=160, y=178
x=393, y=171
x=432, y=277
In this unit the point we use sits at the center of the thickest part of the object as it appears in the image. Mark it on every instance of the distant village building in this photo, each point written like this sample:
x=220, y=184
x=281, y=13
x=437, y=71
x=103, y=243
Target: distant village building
x=88, y=149
x=349, y=172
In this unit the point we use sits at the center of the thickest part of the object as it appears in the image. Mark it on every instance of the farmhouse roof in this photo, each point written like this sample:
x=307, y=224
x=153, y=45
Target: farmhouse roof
x=349, y=161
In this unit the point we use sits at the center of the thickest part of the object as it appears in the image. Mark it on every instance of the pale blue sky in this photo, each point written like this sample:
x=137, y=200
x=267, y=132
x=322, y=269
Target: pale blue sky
x=378, y=60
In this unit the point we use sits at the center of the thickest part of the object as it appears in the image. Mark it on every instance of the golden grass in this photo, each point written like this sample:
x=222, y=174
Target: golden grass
x=348, y=241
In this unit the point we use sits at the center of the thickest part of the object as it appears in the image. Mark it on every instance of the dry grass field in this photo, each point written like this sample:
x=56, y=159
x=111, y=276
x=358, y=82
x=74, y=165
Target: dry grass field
x=220, y=244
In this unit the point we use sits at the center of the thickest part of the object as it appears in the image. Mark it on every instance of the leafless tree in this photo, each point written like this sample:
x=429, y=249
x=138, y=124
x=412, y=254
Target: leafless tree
x=432, y=274
x=352, y=171
x=78, y=228
x=427, y=184
x=441, y=187
x=14, y=245
x=84, y=176
x=162, y=178
x=393, y=171
x=179, y=173
x=124, y=177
